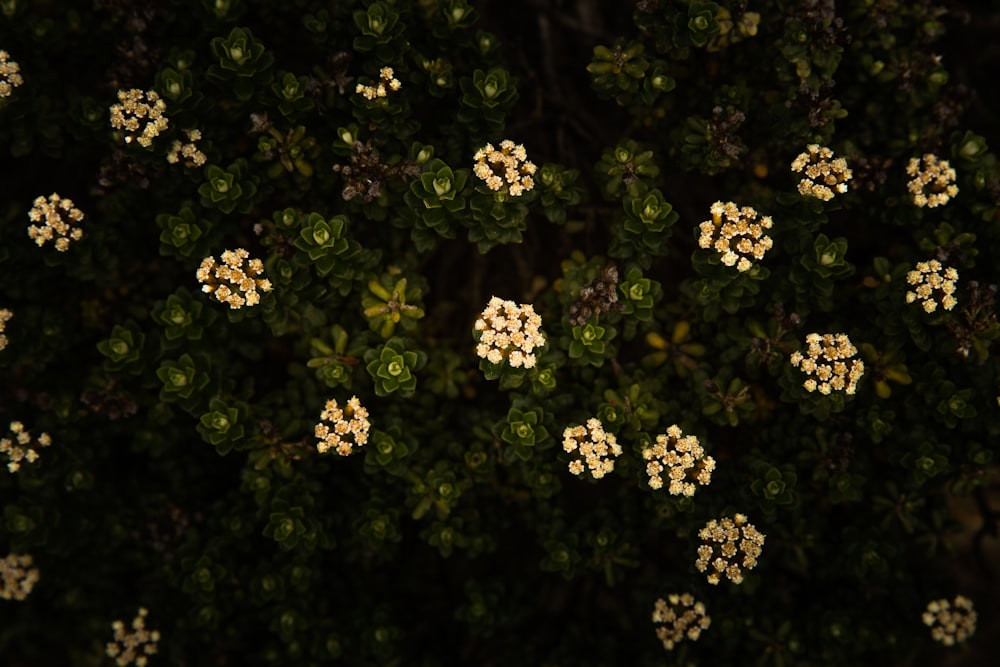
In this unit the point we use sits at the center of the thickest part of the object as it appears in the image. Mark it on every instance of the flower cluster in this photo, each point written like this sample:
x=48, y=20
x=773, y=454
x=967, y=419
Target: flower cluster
x=679, y=616
x=928, y=279
x=5, y=315
x=50, y=212
x=933, y=181
x=722, y=543
x=235, y=280
x=826, y=364
x=508, y=167
x=10, y=77
x=950, y=622
x=509, y=331
x=824, y=176
x=19, y=447
x=683, y=457
x=736, y=234
x=140, y=114
x=386, y=82
x=189, y=151
x=593, y=447
x=17, y=577
x=135, y=646
x=349, y=427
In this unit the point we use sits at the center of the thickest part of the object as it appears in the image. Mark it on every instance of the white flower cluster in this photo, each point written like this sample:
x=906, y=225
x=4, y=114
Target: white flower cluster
x=684, y=460
x=387, y=81
x=135, y=646
x=950, y=622
x=140, y=114
x=507, y=331
x=350, y=427
x=933, y=181
x=930, y=278
x=50, y=212
x=234, y=281
x=722, y=543
x=191, y=154
x=17, y=576
x=10, y=74
x=736, y=234
x=508, y=167
x=18, y=446
x=826, y=364
x=594, y=447
x=5, y=315
x=679, y=618
x=824, y=175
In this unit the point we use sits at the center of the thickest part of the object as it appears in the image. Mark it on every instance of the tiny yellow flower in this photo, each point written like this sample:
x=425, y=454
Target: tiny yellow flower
x=387, y=82
x=736, y=234
x=189, y=152
x=18, y=446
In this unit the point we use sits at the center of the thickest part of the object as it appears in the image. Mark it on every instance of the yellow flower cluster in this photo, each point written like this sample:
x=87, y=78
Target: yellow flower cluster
x=928, y=279
x=824, y=175
x=722, y=543
x=140, y=114
x=933, y=181
x=5, y=315
x=350, y=427
x=17, y=577
x=235, y=280
x=593, y=447
x=509, y=331
x=387, y=81
x=50, y=212
x=189, y=151
x=10, y=77
x=683, y=457
x=133, y=646
x=736, y=234
x=505, y=168
x=679, y=618
x=826, y=364
x=950, y=622
x=19, y=447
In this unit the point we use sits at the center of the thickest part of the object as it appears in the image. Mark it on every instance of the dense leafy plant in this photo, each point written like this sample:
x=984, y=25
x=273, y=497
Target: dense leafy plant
x=370, y=329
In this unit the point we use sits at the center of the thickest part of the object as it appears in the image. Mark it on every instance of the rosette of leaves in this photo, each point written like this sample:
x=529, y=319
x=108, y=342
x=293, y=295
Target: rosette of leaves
x=702, y=24
x=497, y=218
x=655, y=82
x=523, y=429
x=221, y=426
x=723, y=288
x=176, y=86
x=439, y=489
x=388, y=450
x=727, y=399
x=242, y=61
x=627, y=168
x=590, y=343
x=123, y=348
x=638, y=297
x=390, y=301
x=228, y=189
x=181, y=233
x=290, y=92
x=328, y=250
x=183, y=318
x=557, y=191
x=458, y=15
x=772, y=486
x=645, y=229
x=434, y=201
x=334, y=363
x=925, y=461
x=290, y=153
x=380, y=26
x=289, y=526
x=182, y=379
x=618, y=71
x=822, y=263
x=633, y=406
x=393, y=366
x=487, y=97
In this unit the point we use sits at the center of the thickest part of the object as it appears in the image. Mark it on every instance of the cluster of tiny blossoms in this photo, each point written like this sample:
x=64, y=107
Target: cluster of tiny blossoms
x=736, y=234
x=928, y=279
x=509, y=331
x=933, y=181
x=17, y=577
x=10, y=76
x=386, y=81
x=235, y=280
x=683, y=457
x=350, y=427
x=950, y=622
x=593, y=447
x=679, y=617
x=140, y=114
x=49, y=212
x=189, y=151
x=826, y=364
x=19, y=447
x=722, y=543
x=5, y=315
x=133, y=646
x=505, y=168
x=824, y=175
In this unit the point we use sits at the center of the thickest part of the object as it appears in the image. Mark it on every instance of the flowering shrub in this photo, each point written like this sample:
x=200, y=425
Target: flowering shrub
x=369, y=302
